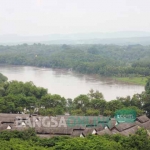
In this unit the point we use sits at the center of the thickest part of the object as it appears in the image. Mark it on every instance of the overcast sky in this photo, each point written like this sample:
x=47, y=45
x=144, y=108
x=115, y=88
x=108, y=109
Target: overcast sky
x=40, y=17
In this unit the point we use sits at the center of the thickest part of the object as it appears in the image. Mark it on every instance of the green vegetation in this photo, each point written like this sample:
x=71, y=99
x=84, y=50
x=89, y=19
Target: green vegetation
x=25, y=140
x=132, y=80
x=104, y=60
x=2, y=78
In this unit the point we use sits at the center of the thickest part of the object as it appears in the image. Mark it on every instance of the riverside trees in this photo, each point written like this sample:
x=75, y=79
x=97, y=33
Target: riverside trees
x=17, y=97
x=105, y=60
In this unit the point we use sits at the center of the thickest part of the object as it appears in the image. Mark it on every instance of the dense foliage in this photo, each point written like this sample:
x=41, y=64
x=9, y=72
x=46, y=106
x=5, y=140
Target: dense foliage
x=2, y=78
x=25, y=140
x=106, y=60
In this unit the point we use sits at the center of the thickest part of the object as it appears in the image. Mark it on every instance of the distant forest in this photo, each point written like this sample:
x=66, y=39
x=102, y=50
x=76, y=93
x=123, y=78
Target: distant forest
x=106, y=60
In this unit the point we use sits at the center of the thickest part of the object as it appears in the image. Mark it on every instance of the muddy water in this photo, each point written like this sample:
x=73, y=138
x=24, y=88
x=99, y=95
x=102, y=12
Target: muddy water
x=69, y=84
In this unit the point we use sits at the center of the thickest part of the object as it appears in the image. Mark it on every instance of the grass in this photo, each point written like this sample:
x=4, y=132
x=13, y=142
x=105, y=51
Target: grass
x=132, y=80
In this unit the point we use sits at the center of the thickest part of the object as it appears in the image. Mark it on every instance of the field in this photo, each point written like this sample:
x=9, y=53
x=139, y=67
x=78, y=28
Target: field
x=132, y=80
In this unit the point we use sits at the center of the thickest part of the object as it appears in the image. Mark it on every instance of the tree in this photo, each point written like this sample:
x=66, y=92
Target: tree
x=69, y=105
x=95, y=95
x=114, y=105
x=99, y=105
x=3, y=78
x=51, y=101
x=81, y=102
x=126, y=101
x=77, y=112
x=92, y=112
x=147, y=86
x=146, y=97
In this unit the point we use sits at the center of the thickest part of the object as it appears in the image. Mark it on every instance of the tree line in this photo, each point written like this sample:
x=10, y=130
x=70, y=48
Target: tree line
x=106, y=60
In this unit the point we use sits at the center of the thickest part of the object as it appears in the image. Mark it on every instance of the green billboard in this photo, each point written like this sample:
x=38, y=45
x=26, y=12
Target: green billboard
x=125, y=115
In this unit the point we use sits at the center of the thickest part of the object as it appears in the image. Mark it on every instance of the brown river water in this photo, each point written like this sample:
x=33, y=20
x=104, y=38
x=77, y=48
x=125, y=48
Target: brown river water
x=69, y=84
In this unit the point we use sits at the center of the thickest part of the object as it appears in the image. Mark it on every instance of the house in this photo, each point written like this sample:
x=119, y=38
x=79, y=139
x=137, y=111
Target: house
x=143, y=121
x=5, y=127
x=77, y=133
x=125, y=129
x=49, y=132
x=88, y=131
x=103, y=132
x=76, y=126
x=7, y=120
x=130, y=131
x=122, y=128
x=91, y=130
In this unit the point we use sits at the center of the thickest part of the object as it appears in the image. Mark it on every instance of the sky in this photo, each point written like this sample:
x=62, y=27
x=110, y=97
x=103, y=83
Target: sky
x=43, y=17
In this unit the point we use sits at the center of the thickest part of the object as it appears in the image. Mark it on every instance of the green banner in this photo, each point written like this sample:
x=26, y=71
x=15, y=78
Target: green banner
x=125, y=115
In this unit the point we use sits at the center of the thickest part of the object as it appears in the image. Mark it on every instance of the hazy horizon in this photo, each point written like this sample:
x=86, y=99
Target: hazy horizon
x=141, y=33
x=44, y=17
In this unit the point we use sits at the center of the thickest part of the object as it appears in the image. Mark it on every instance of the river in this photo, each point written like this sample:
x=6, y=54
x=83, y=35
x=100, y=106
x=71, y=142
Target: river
x=69, y=84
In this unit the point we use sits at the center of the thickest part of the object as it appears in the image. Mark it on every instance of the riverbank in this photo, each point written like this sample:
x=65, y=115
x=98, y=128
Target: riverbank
x=70, y=84
x=132, y=80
